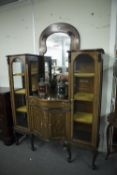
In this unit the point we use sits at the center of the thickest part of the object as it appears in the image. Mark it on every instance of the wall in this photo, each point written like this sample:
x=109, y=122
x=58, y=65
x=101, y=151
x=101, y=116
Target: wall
x=113, y=28
x=15, y=34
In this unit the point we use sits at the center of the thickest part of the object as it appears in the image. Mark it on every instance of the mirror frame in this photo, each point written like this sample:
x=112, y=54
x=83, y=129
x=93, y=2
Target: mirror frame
x=66, y=28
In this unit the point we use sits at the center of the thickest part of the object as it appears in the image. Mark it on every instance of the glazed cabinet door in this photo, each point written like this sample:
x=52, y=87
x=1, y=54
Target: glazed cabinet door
x=86, y=94
x=19, y=91
x=23, y=76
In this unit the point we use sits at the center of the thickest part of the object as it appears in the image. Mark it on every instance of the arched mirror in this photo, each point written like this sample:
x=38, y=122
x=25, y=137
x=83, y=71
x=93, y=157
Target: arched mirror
x=55, y=42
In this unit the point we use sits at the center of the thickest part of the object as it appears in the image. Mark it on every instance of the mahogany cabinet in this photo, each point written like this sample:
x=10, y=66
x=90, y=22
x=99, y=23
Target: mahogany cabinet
x=6, y=122
x=70, y=109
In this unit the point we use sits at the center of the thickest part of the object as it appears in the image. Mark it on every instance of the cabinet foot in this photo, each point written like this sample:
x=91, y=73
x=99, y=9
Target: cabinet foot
x=16, y=138
x=94, y=159
x=19, y=138
x=67, y=147
x=95, y=154
x=109, y=135
x=32, y=142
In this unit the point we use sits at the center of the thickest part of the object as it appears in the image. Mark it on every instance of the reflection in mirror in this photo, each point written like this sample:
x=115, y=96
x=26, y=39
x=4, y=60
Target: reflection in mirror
x=18, y=73
x=57, y=46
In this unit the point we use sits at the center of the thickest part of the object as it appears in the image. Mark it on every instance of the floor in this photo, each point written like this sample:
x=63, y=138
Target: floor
x=49, y=158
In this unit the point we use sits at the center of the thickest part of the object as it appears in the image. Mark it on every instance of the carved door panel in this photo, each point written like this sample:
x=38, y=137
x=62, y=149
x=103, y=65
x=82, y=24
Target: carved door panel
x=36, y=120
x=58, y=123
x=39, y=122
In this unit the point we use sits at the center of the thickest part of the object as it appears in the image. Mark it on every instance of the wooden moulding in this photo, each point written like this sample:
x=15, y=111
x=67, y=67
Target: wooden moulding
x=59, y=28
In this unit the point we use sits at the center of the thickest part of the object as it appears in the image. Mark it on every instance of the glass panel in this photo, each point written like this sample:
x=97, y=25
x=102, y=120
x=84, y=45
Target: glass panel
x=19, y=92
x=84, y=89
x=83, y=94
x=21, y=119
x=82, y=132
x=20, y=100
x=18, y=74
x=84, y=64
x=34, y=78
x=83, y=118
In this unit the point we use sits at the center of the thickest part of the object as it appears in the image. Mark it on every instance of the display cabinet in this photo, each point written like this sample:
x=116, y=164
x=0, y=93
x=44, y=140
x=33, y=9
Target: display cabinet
x=58, y=96
x=23, y=76
x=86, y=68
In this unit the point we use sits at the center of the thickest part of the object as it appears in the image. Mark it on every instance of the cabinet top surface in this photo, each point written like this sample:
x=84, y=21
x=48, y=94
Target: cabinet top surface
x=23, y=54
x=4, y=90
x=49, y=104
x=87, y=50
x=49, y=99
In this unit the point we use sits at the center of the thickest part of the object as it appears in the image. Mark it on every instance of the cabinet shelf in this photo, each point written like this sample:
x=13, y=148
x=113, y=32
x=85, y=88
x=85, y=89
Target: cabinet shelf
x=22, y=109
x=83, y=96
x=18, y=74
x=34, y=89
x=34, y=73
x=20, y=91
x=83, y=117
x=87, y=75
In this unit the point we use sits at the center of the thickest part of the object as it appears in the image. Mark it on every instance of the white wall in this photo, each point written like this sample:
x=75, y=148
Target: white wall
x=16, y=34
x=113, y=28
